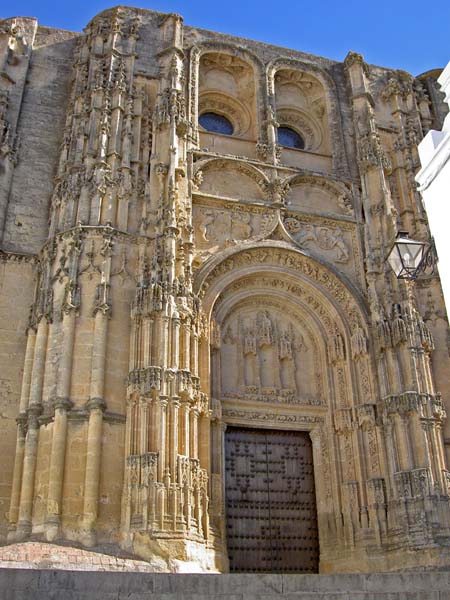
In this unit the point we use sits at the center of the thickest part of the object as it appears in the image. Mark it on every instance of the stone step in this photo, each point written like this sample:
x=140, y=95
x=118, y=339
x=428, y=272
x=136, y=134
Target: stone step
x=57, y=584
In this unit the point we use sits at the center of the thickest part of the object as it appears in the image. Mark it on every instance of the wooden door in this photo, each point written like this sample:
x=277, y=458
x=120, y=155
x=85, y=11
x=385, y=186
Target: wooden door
x=270, y=501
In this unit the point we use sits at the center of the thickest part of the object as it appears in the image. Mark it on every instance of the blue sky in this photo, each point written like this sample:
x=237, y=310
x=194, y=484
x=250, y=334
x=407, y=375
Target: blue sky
x=403, y=35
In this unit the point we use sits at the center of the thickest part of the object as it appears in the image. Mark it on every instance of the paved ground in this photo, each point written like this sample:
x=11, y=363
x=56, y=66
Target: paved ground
x=37, y=555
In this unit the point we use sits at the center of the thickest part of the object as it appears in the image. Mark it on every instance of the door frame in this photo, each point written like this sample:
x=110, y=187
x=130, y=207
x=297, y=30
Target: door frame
x=311, y=424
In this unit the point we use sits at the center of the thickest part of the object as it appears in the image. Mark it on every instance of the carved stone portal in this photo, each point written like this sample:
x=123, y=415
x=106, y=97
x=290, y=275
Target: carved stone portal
x=182, y=281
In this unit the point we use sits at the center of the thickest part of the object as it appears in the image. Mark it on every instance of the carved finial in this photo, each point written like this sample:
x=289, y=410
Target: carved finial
x=400, y=83
x=354, y=58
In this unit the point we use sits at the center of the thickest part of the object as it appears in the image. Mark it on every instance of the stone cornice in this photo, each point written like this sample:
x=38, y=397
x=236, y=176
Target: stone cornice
x=11, y=256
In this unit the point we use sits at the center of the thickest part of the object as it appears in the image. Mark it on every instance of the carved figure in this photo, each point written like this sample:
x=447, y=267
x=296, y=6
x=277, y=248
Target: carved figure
x=285, y=346
x=205, y=224
x=265, y=334
x=249, y=342
x=325, y=238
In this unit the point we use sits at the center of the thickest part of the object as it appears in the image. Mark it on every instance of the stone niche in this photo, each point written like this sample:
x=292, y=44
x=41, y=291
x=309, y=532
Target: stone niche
x=301, y=105
x=227, y=87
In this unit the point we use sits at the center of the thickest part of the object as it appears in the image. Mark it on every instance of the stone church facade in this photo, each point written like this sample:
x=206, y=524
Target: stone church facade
x=206, y=361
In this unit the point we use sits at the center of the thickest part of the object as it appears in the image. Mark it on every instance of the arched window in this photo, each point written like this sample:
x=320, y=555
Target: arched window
x=215, y=123
x=290, y=138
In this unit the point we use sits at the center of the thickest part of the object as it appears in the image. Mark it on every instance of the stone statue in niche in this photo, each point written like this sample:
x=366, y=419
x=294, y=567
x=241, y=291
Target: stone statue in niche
x=285, y=346
x=358, y=341
x=264, y=358
x=228, y=338
x=265, y=329
x=336, y=347
x=249, y=342
x=325, y=238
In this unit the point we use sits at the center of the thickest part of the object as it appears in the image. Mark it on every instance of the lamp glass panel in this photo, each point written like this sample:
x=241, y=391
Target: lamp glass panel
x=412, y=254
x=395, y=260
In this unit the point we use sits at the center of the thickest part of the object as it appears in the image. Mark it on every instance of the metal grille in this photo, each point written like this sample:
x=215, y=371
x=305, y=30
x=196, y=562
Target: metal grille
x=271, y=504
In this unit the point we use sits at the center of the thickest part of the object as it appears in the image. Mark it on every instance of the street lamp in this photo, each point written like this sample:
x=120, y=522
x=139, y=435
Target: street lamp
x=409, y=258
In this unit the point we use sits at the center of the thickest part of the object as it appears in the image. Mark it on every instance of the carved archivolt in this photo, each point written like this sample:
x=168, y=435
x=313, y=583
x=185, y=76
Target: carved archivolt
x=310, y=70
x=313, y=308
x=223, y=61
x=224, y=164
x=276, y=335
x=336, y=190
x=305, y=83
x=277, y=256
x=304, y=124
x=232, y=108
x=231, y=50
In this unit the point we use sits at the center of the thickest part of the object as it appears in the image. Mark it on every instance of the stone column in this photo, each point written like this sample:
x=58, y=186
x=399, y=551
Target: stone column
x=17, y=480
x=434, y=427
x=84, y=205
x=153, y=424
x=173, y=437
x=193, y=431
x=401, y=438
x=175, y=344
x=40, y=353
x=21, y=434
x=29, y=469
x=184, y=428
x=95, y=405
x=27, y=370
x=204, y=435
x=421, y=455
x=185, y=350
x=194, y=355
x=32, y=436
x=61, y=406
x=56, y=471
x=162, y=437
x=99, y=355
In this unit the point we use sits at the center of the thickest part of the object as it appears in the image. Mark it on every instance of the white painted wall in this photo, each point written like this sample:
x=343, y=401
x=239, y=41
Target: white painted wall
x=434, y=184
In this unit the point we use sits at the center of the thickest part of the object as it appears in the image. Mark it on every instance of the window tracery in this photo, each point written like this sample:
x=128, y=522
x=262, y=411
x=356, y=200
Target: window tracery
x=226, y=107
